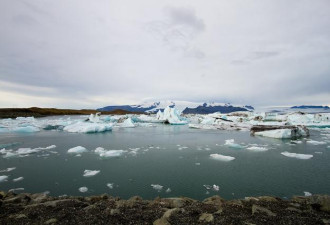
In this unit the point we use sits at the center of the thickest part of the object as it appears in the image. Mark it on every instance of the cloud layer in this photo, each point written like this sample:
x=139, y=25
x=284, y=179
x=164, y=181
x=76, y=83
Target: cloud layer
x=87, y=54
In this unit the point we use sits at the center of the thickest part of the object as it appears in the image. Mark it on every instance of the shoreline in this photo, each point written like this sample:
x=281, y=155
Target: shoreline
x=25, y=208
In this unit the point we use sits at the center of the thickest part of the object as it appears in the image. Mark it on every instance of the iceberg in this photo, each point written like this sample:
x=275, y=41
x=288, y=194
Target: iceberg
x=215, y=187
x=77, y=150
x=171, y=116
x=279, y=133
x=110, y=185
x=8, y=169
x=128, y=123
x=27, y=129
x=257, y=149
x=296, y=155
x=94, y=118
x=222, y=157
x=306, y=193
x=3, y=178
x=108, y=153
x=86, y=127
x=83, y=189
x=157, y=187
x=90, y=173
x=231, y=143
x=18, y=179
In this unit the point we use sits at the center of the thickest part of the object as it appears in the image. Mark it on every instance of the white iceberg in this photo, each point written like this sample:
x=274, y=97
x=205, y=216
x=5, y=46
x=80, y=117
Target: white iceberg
x=18, y=179
x=108, y=153
x=171, y=116
x=168, y=190
x=296, y=155
x=231, y=143
x=8, y=169
x=157, y=187
x=222, y=157
x=3, y=178
x=94, y=118
x=257, y=149
x=26, y=129
x=306, y=193
x=77, y=150
x=278, y=133
x=87, y=127
x=110, y=185
x=128, y=123
x=215, y=187
x=83, y=189
x=90, y=173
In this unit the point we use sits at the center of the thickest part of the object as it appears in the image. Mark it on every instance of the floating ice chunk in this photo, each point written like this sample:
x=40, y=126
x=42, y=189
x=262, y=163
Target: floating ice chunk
x=9, y=155
x=257, y=149
x=307, y=193
x=279, y=133
x=128, y=123
x=208, y=187
x=8, y=170
x=77, y=150
x=110, y=185
x=171, y=116
x=26, y=151
x=215, y=187
x=26, y=129
x=90, y=173
x=16, y=189
x=157, y=187
x=86, y=127
x=295, y=155
x=316, y=142
x=3, y=178
x=168, y=190
x=18, y=179
x=46, y=148
x=83, y=189
x=231, y=143
x=108, y=153
x=197, y=164
x=222, y=157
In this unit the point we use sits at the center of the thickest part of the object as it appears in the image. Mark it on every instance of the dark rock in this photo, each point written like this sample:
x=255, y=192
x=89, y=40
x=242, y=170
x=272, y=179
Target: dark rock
x=259, y=209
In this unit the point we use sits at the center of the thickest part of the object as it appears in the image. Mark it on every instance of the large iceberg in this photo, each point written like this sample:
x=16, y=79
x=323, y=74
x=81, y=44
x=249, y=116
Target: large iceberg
x=87, y=127
x=222, y=157
x=296, y=155
x=171, y=116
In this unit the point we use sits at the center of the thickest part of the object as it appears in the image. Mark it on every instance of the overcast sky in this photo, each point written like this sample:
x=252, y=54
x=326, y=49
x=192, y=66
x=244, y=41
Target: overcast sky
x=89, y=54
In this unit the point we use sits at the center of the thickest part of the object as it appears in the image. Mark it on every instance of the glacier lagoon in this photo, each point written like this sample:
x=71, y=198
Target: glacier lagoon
x=164, y=160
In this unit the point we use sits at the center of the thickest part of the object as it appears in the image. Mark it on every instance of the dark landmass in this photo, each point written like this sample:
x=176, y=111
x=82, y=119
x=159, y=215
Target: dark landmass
x=41, y=112
x=205, y=109
x=103, y=209
x=310, y=107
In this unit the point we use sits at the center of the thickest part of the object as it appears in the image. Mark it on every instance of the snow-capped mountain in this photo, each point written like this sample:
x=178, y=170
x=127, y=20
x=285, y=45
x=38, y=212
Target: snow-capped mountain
x=182, y=106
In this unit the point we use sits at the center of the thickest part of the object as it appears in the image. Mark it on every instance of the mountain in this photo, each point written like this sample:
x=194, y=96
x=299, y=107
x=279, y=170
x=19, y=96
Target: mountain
x=183, y=106
x=310, y=107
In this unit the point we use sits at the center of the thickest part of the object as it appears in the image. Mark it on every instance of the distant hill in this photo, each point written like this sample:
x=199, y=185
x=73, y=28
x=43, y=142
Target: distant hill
x=310, y=107
x=183, y=106
x=41, y=112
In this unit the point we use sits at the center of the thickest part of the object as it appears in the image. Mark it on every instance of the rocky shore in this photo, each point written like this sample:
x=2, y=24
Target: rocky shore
x=103, y=209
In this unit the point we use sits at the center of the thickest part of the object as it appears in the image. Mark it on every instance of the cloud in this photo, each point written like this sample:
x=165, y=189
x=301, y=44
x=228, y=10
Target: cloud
x=178, y=30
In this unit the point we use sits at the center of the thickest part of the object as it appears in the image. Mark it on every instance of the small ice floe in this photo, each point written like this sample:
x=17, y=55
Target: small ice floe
x=157, y=187
x=231, y=144
x=182, y=147
x=257, y=149
x=46, y=148
x=222, y=157
x=307, y=193
x=16, y=189
x=168, y=190
x=110, y=185
x=103, y=153
x=7, y=170
x=319, y=152
x=83, y=189
x=316, y=142
x=213, y=187
x=296, y=155
x=197, y=164
x=77, y=150
x=18, y=179
x=3, y=178
x=207, y=149
x=90, y=173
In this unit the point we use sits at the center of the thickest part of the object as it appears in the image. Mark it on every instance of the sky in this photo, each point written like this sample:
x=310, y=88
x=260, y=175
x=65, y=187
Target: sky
x=94, y=53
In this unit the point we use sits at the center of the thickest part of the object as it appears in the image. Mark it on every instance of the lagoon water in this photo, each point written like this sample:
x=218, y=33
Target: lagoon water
x=176, y=157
